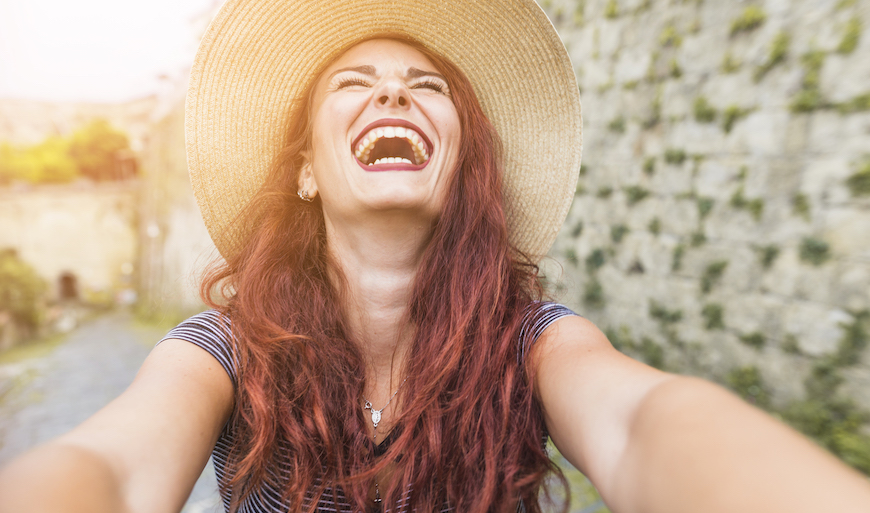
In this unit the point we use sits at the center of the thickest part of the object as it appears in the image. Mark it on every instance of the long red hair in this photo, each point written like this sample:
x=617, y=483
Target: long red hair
x=469, y=431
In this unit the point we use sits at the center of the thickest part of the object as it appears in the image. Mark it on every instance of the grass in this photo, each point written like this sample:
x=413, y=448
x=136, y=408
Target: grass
x=714, y=316
x=30, y=350
x=596, y=260
x=635, y=194
x=670, y=37
x=712, y=275
x=750, y=19
x=755, y=339
x=675, y=156
x=800, y=204
x=704, y=112
x=859, y=182
x=851, y=36
x=814, y=251
x=593, y=294
x=618, y=232
x=748, y=384
x=655, y=226
x=729, y=64
x=649, y=166
x=660, y=313
x=767, y=255
x=776, y=56
x=731, y=115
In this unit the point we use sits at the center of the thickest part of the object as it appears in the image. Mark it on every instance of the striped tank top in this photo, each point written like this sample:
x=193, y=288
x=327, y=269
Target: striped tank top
x=210, y=331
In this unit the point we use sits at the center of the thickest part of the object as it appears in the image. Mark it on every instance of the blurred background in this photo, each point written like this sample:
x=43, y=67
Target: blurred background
x=721, y=226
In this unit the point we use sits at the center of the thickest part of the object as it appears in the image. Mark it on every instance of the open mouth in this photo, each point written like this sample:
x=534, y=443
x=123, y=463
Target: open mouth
x=392, y=144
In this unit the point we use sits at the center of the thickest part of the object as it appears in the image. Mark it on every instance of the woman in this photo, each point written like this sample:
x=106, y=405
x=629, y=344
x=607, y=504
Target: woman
x=381, y=343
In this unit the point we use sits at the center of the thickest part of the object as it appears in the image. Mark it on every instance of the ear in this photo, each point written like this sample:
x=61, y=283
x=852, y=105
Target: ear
x=307, y=181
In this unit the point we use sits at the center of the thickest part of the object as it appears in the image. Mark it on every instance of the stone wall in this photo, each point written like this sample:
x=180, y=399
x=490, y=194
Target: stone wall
x=174, y=243
x=722, y=221
x=85, y=231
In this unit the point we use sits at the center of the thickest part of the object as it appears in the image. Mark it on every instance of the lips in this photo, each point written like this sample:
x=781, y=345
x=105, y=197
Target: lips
x=392, y=144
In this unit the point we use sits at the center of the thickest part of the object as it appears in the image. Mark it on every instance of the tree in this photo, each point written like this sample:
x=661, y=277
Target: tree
x=95, y=148
x=21, y=290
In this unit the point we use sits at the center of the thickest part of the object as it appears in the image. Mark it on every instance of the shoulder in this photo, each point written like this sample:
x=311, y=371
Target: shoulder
x=212, y=331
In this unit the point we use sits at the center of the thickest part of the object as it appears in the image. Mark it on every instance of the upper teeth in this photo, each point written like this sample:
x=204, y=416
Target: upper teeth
x=364, y=149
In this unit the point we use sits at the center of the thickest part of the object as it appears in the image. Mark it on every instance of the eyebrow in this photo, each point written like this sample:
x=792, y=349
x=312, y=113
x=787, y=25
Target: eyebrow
x=370, y=71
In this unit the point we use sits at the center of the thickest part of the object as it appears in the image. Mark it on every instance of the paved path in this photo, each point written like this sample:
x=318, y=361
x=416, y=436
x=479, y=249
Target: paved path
x=47, y=396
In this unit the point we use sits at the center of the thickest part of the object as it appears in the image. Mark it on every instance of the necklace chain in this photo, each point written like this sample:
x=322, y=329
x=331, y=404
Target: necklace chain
x=376, y=419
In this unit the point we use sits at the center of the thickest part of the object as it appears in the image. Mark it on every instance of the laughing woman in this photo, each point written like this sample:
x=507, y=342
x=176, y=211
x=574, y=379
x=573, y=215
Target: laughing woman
x=381, y=178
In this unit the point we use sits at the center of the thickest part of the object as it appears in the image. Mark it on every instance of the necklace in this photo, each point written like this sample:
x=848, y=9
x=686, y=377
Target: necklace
x=376, y=419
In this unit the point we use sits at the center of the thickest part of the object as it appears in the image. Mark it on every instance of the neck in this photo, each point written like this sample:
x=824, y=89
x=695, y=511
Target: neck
x=379, y=260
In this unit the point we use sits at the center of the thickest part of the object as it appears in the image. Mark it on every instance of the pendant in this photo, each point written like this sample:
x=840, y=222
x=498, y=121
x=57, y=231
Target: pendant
x=376, y=417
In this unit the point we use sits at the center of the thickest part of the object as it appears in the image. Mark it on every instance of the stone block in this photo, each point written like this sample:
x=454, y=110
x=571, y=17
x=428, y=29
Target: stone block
x=816, y=326
x=848, y=231
x=851, y=287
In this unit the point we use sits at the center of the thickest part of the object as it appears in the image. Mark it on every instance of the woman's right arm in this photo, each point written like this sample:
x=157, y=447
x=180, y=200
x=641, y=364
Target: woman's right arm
x=141, y=453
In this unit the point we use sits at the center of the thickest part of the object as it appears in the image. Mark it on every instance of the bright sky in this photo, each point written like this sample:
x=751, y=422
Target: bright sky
x=95, y=50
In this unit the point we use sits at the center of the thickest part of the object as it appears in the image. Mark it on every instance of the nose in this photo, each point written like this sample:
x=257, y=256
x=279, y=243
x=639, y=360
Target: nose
x=393, y=93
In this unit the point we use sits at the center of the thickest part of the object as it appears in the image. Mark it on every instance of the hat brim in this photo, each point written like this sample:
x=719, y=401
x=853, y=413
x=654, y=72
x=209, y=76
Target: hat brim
x=259, y=56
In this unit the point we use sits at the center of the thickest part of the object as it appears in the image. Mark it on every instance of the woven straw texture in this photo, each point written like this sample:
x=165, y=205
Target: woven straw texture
x=258, y=56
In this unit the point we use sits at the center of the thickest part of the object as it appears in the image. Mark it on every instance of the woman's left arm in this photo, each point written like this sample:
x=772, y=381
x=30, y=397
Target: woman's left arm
x=655, y=442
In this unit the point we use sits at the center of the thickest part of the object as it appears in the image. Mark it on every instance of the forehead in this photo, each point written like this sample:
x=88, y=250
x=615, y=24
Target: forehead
x=380, y=53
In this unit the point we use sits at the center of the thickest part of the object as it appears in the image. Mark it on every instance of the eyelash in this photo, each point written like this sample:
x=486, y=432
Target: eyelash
x=425, y=84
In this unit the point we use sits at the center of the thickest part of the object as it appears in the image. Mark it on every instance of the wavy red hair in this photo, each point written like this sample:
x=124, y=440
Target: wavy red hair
x=469, y=431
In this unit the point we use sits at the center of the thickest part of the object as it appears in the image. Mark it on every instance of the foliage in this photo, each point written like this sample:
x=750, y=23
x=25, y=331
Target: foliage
x=577, y=230
x=675, y=156
x=94, y=147
x=21, y=290
x=670, y=37
x=596, y=260
x=611, y=10
x=652, y=353
x=571, y=256
x=604, y=192
x=90, y=152
x=649, y=166
x=618, y=232
x=809, y=98
x=754, y=339
x=46, y=162
x=660, y=313
x=754, y=206
x=712, y=275
x=593, y=294
x=698, y=238
x=675, y=71
x=677, y=259
x=790, y=345
x=731, y=115
x=854, y=340
x=767, y=255
x=777, y=55
x=714, y=316
x=859, y=183
x=814, y=251
x=617, y=125
x=729, y=64
x=748, y=384
x=857, y=104
x=705, y=205
x=801, y=205
x=750, y=19
x=704, y=112
x=635, y=194
x=655, y=226
x=851, y=36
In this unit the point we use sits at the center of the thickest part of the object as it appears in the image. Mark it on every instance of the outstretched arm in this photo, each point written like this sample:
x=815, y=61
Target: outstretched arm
x=654, y=442
x=141, y=453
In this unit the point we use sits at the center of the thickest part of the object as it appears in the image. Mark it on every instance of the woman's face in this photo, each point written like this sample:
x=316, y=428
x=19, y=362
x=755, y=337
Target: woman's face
x=385, y=133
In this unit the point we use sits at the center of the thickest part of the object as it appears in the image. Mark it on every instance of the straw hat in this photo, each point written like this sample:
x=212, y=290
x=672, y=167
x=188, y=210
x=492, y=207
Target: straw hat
x=258, y=56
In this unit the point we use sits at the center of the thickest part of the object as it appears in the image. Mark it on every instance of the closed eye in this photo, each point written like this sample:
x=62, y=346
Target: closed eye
x=430, y=84
x=351, y=81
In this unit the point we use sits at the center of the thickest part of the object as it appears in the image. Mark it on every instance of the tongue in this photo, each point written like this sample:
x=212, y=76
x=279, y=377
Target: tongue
x=395, y=147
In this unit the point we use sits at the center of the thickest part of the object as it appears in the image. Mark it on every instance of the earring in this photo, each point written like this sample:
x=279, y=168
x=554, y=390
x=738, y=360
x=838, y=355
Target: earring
x=303, y=195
